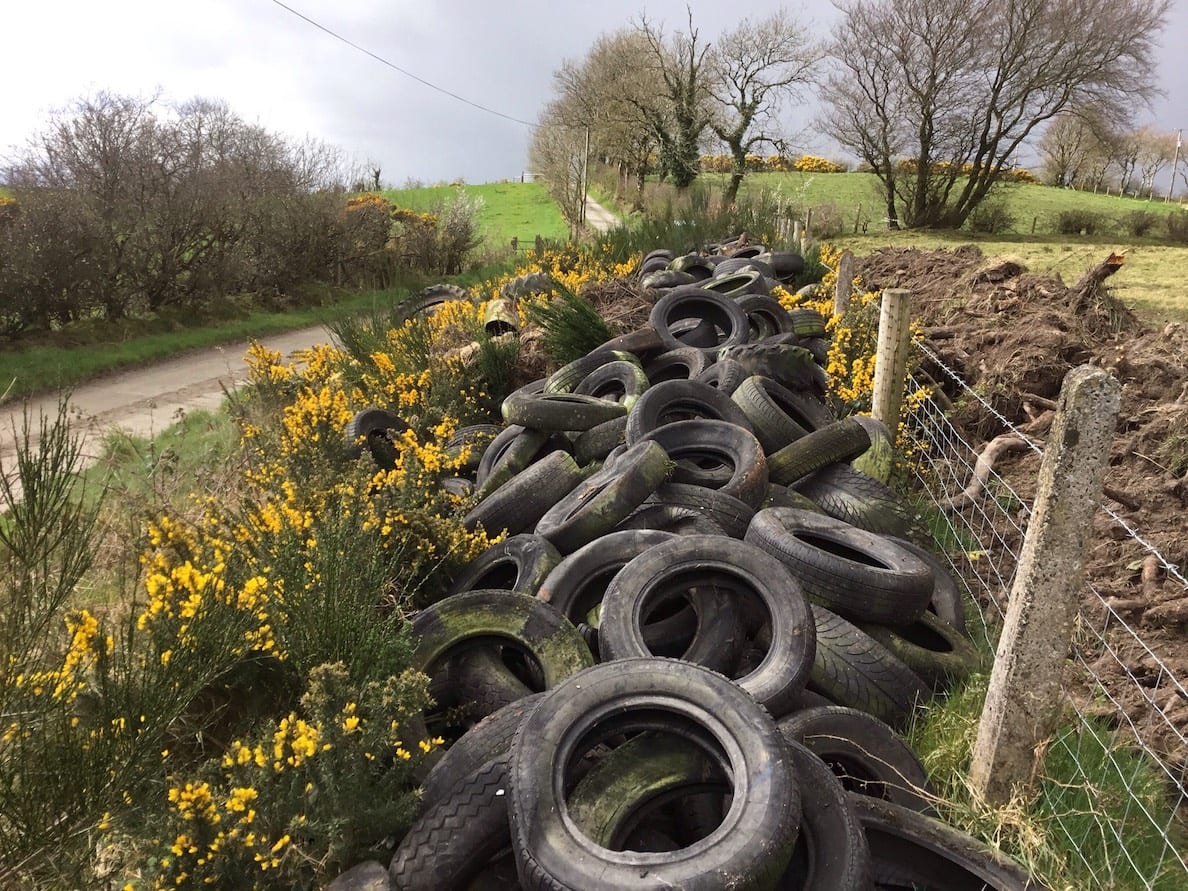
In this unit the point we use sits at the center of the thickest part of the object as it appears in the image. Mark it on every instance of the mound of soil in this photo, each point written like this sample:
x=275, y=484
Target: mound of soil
x=1012, y=336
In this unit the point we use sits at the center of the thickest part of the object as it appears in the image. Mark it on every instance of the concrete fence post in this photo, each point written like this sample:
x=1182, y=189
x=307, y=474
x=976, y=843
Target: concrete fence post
x=1023, y=701
x=895, y=315
x=845, y=283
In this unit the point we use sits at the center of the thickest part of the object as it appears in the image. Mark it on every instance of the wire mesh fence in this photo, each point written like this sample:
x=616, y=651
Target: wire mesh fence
x=1127, y=706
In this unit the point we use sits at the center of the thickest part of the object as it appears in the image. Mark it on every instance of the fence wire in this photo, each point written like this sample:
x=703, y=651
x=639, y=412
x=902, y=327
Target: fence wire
x=982, y=537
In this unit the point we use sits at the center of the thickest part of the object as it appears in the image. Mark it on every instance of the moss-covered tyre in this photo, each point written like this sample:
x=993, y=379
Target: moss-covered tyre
x=643, y=343
x=782, y=496
x=568, y=376
x=749, y=849
x=681, y=400
x=518, y=504
x=600, y=502
x=739, y=284
x=716, y=455
x=807, y=323
x=851, y=496
x=723, y=312
x=611, y=803
x=479, y=681
x=855, y=573
x=453, y=839
x=504, y=618
x=853, y=669
x=838, y=441
x=741, y=571
x=864, y=753
x=878, y=460
x=508, y=454
x=559, y=411
x=520, y=563
x=677, y=365
x=930, y=647
x=527, y=285
x=619, y=381
x=911, y=850
x=374, y=429
x=666, y=279
x=672, y=519
x=600, y=440
x=469, y=443
x=489, y=738
x=776, y=414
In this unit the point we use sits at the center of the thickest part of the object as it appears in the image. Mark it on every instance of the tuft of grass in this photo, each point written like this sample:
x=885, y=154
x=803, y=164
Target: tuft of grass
x=1082, y=827
x=571, y=326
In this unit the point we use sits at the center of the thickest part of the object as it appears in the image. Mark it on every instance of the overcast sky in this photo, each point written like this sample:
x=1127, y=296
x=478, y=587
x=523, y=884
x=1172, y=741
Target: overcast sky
x=277, y=70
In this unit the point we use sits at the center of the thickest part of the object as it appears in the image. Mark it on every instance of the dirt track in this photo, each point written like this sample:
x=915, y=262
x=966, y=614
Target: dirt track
x=145, y=401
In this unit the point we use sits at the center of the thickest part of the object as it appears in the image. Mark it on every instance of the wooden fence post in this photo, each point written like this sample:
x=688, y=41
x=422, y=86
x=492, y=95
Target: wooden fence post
x=891, y=356
x=845, y=283
x=1023, y=701
x=798, y=235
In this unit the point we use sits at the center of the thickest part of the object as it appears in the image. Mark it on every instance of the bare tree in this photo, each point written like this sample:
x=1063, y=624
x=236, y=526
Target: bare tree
x=558, y=154
x=959, y=85
x=1155, y=151
x=1075, y=149
x=755, y=68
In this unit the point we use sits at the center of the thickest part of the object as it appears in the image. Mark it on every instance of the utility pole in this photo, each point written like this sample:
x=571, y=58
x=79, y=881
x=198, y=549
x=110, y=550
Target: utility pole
x=1175, y=164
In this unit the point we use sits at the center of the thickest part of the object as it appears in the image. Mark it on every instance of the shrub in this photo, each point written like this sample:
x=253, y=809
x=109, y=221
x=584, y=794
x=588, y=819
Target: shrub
x=1177, y=226
x=827, y=221
x=1140, y=223
x=1079, y=222
x=991, y=217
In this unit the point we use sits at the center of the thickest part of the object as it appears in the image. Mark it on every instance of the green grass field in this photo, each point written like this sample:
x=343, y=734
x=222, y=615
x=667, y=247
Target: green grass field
x=509, y=210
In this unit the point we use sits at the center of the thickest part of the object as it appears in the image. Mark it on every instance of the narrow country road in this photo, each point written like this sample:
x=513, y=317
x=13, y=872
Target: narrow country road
x=144, y=401
x=598, y=217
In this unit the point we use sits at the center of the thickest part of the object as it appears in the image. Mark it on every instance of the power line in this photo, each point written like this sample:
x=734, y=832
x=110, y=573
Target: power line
x=403, y=71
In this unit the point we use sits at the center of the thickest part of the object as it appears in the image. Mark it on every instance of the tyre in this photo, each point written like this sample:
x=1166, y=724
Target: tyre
x=597, y=504
x=911, y=850
x=510, y=451
x=850, y=495
x=751, y=847
x=566, y=378
x=488, y=739
x=878, y=461
x=469, y=443
x=852, y=669
x=931, y=648
x=374, y=429
x=782, y=359
x=479, y=682
x=724, y=375
x=714, y=454
x=947, y=601
x=864, y=753
x=681, y=400
x=453, y=840
x=429, y=299
x=677, y=365
x=600, y=440
x=559, y=411
x=838, y=441
x=672, y=519
x=643, y=343
x=850, y=571
x=739, y=284
x=695, y=265
x=785, y=264
x=782, y=496
x=741, y=571
x=619, y=381
x=520, y=564
x=477, y=617
x=766, y=315
x=664, y=279
x=831, y=852
x=807, y=323
x=776, y=414
x=527, y=285
x=518, y=504
x=730, y=514
x=726, y=315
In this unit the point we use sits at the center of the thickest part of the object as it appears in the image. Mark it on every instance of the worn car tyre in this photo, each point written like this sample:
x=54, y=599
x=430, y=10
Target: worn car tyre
x=736, y=568
x=677, y=365
x=732, y=515
x=520, y=563
x=716, y=455
x=373, y=429
x=751, y=847
x=838, y=441
x=947, y=600
x=518, y=504
x=725, y=314
x=681, y=400
x=911, y=850
x=931, y=648
x=778, y=415
x=854, y=670
x=559, y=411
x=852, y=572
x=850, y=495
x=864, y=753
x=724, y=375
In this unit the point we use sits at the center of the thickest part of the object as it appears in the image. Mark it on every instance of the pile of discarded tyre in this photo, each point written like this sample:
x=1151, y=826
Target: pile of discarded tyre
x=686, y=665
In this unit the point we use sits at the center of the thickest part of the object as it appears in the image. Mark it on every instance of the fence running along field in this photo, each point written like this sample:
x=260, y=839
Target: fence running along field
x=982, y=537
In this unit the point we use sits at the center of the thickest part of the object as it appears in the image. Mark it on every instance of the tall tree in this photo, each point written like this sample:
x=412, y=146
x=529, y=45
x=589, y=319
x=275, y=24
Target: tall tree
x=938, y=95
x=1075, y=145
x=1155, y=151
x=754, y=69
x=682, y=64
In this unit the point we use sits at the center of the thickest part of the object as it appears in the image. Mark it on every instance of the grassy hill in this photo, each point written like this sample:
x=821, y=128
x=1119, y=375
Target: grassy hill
x=509, y=209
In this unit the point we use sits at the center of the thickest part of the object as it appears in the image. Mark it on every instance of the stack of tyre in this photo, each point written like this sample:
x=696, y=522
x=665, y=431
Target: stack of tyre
x=685, y=666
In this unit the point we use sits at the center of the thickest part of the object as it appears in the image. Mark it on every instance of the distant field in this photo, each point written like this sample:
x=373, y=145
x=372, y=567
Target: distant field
x=519, y=210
